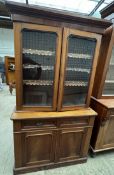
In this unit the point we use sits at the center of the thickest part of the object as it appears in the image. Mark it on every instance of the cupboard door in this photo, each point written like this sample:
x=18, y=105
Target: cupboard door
x=71, y=143
x=107, y=140
x=38, y=147
x=38, y=61
x=78, y=64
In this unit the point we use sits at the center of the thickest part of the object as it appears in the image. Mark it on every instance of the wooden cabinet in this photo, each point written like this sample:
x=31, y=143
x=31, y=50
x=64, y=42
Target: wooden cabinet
x=103, y=130
x=10, y=69
x=51, y=138
x=103, y=91
x=56, y=58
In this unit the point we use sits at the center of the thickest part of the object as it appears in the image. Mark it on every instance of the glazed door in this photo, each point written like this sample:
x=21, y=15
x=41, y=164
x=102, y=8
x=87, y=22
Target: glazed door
x=78, y=65
x=37, y=53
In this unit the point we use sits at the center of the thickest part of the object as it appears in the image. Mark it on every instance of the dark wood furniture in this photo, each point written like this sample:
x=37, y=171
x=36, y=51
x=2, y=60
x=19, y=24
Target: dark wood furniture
x=103, y=92
x=10, y=69
x=56, y=57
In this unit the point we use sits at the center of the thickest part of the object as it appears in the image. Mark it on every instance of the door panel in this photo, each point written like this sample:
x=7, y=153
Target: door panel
x=38, y=147
x=71, y=143
x=39, y=66
x=109, y=133
x=78, y=65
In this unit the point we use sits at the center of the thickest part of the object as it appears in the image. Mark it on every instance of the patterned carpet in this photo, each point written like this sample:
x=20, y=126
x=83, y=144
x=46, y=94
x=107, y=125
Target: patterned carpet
x=102, y=164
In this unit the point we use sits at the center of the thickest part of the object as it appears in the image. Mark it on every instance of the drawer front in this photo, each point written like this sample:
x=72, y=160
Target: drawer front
x=74, y=122
x=38, y=124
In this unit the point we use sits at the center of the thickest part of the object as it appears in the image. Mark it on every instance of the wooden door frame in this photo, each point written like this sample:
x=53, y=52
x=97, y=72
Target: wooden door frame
x=108, y=59
x=18, y=55
x=66, y=33
x=103, y=63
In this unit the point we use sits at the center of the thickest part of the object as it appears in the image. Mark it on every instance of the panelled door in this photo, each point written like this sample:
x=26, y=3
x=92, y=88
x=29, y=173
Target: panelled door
x=80, y=52
x=71, y=143
x=38, y=147
x=37, y=51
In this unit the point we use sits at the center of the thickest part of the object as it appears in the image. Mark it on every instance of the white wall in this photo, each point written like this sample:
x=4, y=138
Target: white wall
x=6, y=42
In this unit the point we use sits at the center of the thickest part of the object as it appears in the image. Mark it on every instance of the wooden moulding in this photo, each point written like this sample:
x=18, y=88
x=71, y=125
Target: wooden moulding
x=55, y=15
x=37, y=115
x=49, y=166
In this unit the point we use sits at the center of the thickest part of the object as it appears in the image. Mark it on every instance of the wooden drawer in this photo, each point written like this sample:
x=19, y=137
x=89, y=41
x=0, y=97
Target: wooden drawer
x=74, y=122
x=38, y=124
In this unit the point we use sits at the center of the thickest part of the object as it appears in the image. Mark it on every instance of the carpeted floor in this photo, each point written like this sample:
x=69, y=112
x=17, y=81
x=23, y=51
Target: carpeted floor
x=102, y=164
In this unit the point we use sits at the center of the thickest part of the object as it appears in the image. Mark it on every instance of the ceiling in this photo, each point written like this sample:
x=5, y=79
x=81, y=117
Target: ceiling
x=88, y=7
x=85, y=7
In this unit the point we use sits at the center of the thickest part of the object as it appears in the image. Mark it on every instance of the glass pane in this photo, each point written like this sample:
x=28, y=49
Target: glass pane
x=109, y=82
x=39, y=50
x=79, y=62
